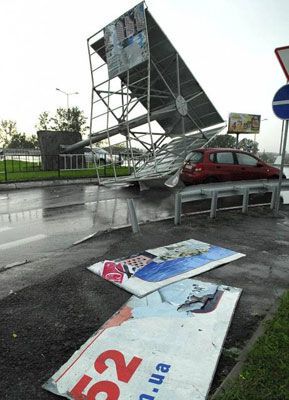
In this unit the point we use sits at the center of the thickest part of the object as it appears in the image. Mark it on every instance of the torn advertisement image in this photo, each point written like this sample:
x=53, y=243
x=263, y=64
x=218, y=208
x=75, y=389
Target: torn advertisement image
x=152, y=269
x=126, y=43
x=168, y=342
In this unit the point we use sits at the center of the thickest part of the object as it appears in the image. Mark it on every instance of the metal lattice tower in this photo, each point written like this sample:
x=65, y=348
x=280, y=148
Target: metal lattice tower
x=143, y=95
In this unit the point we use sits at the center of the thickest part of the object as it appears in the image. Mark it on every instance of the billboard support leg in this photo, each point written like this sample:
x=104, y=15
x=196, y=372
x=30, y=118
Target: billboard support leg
x=132, y=216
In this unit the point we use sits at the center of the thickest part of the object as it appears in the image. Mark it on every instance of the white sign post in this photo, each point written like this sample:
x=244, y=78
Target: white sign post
x=281, y=109
x=282, y=54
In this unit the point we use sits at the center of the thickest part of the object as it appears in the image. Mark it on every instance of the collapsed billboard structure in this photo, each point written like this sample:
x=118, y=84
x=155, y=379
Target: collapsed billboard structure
x=159, y=347
x=145, y=97
x=166, y=340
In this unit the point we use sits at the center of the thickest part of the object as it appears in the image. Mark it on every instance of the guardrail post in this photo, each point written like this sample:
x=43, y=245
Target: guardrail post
x=178, y=208
x=59, y=166
x=245, y=200
x=214, y=203
x=5, y=168
x=273, y=197
x=132, y=216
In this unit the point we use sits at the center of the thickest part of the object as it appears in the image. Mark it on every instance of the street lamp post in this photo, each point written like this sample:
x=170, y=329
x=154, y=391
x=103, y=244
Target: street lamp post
x=264, y=119
x=67, y=95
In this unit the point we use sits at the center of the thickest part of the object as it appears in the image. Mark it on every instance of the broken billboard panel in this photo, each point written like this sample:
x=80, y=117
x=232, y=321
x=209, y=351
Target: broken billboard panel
x=126, y=43
x=152, y=269
x=168, y=342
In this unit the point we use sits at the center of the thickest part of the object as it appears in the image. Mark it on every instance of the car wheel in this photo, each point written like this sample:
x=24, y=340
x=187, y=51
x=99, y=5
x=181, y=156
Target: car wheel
x=277, y=176
x=211, y=179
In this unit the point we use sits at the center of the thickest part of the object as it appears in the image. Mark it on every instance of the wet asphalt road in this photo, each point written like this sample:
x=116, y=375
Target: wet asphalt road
x=36, y=223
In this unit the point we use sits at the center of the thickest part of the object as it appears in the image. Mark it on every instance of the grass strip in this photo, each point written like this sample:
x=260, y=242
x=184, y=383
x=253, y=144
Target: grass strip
x=21, y=172
x=265, y=374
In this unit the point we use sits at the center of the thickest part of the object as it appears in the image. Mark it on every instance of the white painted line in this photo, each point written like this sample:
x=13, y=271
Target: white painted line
x=5, y=228
x=280, y=102
x=21, y=242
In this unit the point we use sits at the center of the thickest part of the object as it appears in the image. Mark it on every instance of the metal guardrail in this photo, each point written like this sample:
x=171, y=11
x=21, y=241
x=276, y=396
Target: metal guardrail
x=214, y=191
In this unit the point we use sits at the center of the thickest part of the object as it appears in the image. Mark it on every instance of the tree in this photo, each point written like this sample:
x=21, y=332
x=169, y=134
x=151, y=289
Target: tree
x=65, y=119
x=43, y=121
x=12, y=139
x=20, y=141
x=229, y=141
x=248, y=145
x=265, y=157
x=7, y=130
x=224, y=141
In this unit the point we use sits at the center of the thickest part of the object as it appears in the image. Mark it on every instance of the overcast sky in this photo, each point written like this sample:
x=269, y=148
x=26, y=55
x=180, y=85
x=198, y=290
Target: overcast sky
x=228, y=45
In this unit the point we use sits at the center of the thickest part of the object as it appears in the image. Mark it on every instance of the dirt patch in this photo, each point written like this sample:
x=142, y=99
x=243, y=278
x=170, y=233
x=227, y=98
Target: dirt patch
x=42, y=326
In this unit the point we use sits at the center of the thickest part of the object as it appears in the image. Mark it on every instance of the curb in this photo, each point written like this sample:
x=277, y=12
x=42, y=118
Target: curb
x=36, y=184
x=227, y=382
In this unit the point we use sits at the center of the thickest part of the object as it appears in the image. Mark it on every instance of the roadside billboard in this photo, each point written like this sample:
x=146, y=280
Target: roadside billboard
x=126, y=42
x=163, y=346
x=244, y=123
x=143, y=273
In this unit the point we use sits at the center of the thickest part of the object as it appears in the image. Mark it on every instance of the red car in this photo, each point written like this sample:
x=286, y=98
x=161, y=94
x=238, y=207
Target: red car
x=220, y=165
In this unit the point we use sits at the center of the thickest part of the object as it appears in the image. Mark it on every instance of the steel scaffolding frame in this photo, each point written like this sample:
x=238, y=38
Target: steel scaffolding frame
x=148, y=105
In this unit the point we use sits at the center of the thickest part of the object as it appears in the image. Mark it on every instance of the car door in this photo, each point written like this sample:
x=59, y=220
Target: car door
x=249, y=167
x=222, y=166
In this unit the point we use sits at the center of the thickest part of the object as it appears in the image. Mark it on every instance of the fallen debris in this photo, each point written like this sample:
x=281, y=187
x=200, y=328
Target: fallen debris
x=153, y=347
x=152, y=269
x=13, y=265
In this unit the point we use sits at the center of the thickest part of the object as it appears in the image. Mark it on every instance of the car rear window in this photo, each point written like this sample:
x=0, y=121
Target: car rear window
x=224, y=158
x=196, y=156
x=245, y=159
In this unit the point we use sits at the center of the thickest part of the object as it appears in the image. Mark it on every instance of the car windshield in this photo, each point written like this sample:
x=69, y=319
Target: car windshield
x=195, y=157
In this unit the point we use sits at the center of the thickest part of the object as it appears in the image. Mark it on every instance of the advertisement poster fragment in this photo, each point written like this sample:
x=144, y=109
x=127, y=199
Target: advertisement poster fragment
x=126, y=41
x=152, y=269
x=167, y=342
x=244, y=123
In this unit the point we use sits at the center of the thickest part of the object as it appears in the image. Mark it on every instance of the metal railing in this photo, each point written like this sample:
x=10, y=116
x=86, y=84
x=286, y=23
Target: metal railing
x=20, y=163
x=214, y=191
x=32, y=166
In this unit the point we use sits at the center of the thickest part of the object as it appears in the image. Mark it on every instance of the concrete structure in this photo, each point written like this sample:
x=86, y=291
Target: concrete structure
x=50, y=142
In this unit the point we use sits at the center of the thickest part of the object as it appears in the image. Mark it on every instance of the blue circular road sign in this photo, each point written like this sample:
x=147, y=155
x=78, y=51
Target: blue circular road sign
x=281, y=103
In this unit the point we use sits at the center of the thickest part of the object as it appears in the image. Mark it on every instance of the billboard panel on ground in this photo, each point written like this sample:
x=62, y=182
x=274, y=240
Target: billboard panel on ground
x=152, y=269
x=163, y=346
